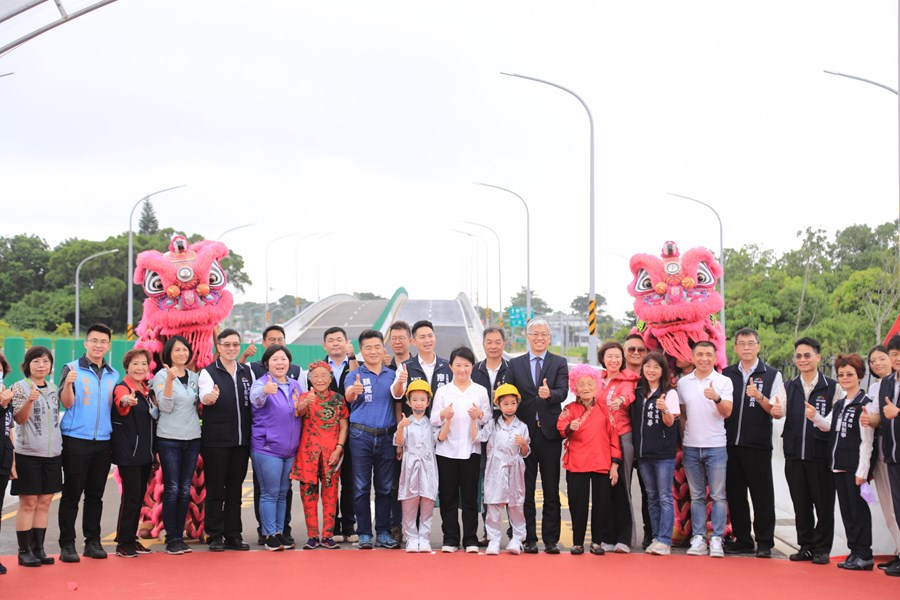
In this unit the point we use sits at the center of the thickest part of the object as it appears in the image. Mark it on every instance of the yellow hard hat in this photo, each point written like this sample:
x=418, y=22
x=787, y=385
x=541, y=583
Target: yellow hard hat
x=507, y=389
x=419, y=385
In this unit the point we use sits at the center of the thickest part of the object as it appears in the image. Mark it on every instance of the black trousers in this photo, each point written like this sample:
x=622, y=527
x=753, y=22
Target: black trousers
x=225, y=470
x=85, y=469
x=458, y=487
x=545, y=457
x=345, y=521
x=287, y=507
x=812, y=487
x=396, y=505
x=894, y=479
x=618, y=529
x=855, y=514
x=4, y=480
x=750, y=469
x=134, y=486
x=645, y=510
x=579, y=488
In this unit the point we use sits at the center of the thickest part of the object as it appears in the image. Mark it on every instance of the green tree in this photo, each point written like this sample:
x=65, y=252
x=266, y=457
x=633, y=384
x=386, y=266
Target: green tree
x=579, y=305
x=148, y=223
x=368, y=296
x=23, y=266
x=537, y=303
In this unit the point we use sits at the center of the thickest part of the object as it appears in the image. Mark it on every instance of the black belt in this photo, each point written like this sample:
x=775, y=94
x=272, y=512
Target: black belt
x=373, y=430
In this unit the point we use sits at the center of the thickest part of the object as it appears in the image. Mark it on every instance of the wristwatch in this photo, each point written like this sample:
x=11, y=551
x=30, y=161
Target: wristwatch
x=717, y=400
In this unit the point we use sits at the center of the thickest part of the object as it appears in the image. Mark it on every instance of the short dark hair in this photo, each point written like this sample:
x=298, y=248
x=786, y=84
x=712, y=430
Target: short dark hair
x=170, y=343
x=746, y=332
x=704, y=344
x=4, y=365
x=134, y=353
x=100, y=328
x=894, y=343
x=808, y=341
x=488, y=330
x=32, y=353
x=634, y=336
x=400, y=326
x=332, y=330
x=368, y=334
x=227, y=333
x=665, y=380
x=420, y=324
x=277, y=328
x=609, y=346
x=463, y=352
x=851, y=360
x=270, y=352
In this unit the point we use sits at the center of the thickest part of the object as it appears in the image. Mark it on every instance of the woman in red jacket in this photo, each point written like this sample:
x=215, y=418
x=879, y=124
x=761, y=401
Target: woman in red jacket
x=592, y=457
x=616, y=391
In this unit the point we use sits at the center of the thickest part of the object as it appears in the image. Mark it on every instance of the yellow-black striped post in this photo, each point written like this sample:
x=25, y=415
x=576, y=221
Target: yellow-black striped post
x=130, y=332
x=592, y=318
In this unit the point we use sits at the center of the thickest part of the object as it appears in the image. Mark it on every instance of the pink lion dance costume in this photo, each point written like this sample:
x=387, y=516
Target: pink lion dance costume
x=676, y=303
x=186, y=296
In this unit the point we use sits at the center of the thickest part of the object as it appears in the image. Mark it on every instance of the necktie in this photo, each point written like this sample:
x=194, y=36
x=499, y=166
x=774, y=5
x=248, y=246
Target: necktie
x=537, y=371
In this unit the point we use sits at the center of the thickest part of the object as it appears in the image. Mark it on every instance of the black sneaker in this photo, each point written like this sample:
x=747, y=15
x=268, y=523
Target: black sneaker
x=821, y=558
x=287, y=541
x=891, y=563
x=93, y=549
x=216, y=545
x=174, y=547
x=273, y=543
x=123, y=550
x=67, y=553
x=184, y=547
x=141, y=549
x=238, y=544
x=311, y=544
x=738, y=547
x=802, y=555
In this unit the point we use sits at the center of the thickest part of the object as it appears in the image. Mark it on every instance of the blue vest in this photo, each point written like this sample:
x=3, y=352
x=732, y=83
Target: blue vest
x=88, y=419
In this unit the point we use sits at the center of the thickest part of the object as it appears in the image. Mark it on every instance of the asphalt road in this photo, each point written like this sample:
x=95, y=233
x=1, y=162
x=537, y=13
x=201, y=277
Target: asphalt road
x=446, y=316
x=354, y=317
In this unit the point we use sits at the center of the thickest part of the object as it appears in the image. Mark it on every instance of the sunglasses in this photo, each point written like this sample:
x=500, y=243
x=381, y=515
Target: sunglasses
x=636, y=350
x=806, y=355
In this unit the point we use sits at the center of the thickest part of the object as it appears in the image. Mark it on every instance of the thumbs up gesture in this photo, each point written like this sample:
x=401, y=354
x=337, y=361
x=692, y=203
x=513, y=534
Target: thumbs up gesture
x=447, y=413
x=402, y=374
x=575, y=425
x=544, y=390
x=475, y=412
x=248, y=352
x=71, y=377
x=34, y=395
x=348, y=349
x=864, y=419
x=661, y=404
x=358, y=386
x=617, y=403
x=777, y=409
x=171, y=373
x=754, y=392
x=711, y=392
x=403, y=422
x=810, y=411
x=890, y=409
x=213, y=396
x=5, y=396
x=271, y=386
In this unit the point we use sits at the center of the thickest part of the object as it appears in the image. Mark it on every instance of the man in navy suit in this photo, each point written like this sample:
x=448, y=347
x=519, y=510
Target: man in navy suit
x=543, y=380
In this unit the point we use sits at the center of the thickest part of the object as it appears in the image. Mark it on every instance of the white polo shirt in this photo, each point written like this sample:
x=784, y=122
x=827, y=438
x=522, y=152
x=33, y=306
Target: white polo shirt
x=705, y=427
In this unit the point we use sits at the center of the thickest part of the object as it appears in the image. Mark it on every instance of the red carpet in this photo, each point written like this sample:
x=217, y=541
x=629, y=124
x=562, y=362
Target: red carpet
x=380, y=574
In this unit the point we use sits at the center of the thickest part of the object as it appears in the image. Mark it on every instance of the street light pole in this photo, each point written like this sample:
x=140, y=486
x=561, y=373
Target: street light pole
x=721, y=252
x=487, y=276
x=297, y=272
x=269, y=245
x=592, y=295
x=527, y=246
x=130, y=293
x=78, y=289
x=499, y=268
x=221, y=235
x=892, y=90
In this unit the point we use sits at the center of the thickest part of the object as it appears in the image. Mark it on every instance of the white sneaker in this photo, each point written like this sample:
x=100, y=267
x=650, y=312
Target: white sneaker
x=648, y=548
x=471, y=549
x=351, y=538
x=715, y=547
x=660, y=549
x=449, y=548
x=514, y=547
x=622, y=548
x=424, y=546
x=412, y=545
x=339, y=538
x=608, y=547
x=698, y=546
x=493, y=548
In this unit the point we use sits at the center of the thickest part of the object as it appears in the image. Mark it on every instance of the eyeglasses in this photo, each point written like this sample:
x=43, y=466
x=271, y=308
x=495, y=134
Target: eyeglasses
x=97, y=342
x=636, y=350
x=230, y=344
x=806, y=355
x=539, y=335
x=746, y=344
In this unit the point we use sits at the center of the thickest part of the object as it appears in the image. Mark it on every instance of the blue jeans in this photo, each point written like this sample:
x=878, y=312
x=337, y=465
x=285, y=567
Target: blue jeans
x=706, y=466
x=372, y=454
x=274, y=476
x=658, y=475
x=178, y=459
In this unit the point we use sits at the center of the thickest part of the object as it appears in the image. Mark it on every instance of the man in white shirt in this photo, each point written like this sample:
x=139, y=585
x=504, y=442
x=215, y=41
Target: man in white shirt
x=706, y=400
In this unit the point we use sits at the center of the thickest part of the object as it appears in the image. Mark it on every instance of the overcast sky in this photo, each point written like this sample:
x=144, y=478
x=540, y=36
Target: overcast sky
x=372, y=119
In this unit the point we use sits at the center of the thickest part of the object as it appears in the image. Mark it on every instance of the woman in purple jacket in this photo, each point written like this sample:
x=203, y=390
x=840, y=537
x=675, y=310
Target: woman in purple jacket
x=274, y=439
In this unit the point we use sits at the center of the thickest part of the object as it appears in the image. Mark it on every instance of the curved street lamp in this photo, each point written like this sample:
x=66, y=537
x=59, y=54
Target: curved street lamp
x=268, y=246
x=499, y=268
x=78, y=289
